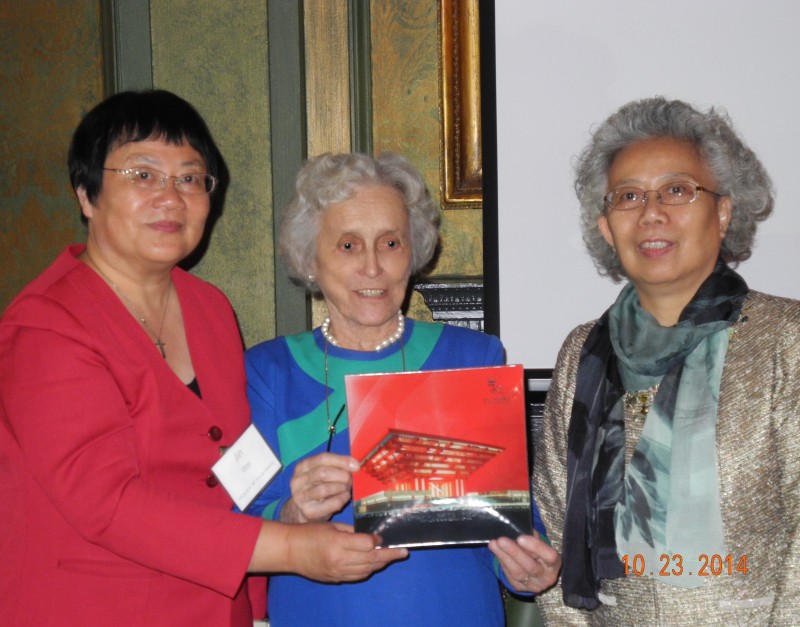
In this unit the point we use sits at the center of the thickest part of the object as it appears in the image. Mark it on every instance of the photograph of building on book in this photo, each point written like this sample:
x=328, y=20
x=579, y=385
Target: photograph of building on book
x=443, y=455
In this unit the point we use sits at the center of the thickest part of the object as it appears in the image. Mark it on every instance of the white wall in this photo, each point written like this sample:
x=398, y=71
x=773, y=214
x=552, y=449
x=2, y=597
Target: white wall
x=564, y=66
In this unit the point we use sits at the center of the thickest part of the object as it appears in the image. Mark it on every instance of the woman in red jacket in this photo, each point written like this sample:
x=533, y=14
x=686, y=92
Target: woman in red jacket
x=121, y=379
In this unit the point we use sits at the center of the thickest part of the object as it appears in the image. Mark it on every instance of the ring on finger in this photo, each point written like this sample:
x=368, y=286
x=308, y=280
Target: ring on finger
x=524, y=581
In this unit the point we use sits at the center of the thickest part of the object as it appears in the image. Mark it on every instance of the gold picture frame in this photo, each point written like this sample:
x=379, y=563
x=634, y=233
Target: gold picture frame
x=462, y=168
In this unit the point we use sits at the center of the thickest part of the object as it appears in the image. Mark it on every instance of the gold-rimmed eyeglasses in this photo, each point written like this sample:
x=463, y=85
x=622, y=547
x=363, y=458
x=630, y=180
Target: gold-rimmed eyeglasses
x=672, y=193
x=150, y=179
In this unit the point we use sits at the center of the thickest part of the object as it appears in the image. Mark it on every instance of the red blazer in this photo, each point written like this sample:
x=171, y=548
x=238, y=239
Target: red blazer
x=107, y=512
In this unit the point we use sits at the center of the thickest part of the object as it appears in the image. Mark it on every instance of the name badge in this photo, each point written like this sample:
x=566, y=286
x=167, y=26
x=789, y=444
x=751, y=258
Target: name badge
x=247, y=467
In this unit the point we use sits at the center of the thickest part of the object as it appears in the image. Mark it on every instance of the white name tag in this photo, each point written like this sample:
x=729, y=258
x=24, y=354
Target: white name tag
x=247, y=467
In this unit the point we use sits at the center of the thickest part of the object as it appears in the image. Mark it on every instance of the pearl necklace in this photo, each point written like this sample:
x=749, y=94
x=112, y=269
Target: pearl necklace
x=401, y=326
x=329, y=339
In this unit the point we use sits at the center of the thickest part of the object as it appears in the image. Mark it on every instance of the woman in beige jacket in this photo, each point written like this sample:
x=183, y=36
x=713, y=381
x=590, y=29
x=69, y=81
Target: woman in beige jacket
x=668, y=471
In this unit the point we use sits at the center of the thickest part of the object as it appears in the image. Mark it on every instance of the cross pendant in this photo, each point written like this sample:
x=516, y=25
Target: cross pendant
x=160, y=346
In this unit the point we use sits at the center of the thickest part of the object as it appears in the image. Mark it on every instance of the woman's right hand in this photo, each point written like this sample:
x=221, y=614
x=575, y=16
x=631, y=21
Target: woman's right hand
x=327, y=552
x=320, y=487
x=331, y=552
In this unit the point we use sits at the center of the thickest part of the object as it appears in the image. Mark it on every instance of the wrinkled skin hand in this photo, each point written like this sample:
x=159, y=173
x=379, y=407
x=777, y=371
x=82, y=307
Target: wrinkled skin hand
x=530, y=564
x=320, y=487
x=331, y=552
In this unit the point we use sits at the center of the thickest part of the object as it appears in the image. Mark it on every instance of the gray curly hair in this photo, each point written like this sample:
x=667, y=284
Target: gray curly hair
x=738, y=172
x=332, y=178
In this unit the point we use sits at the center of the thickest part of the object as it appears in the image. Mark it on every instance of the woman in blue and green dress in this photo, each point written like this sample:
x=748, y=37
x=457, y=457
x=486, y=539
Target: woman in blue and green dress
x=356, y=230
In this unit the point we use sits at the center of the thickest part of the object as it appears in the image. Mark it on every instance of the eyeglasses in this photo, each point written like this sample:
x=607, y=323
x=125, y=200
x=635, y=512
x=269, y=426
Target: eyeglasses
x=672, y=193
x=152, y=180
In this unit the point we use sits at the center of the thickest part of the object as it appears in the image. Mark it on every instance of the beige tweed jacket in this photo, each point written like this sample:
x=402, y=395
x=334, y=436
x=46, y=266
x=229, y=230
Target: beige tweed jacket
x=758, y=462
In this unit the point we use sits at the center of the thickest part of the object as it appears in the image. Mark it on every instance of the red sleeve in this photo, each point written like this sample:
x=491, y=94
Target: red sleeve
x=84, y=438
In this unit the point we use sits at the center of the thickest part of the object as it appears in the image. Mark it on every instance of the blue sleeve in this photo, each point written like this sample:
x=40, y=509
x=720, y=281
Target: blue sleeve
x=260, y=372
x=465, y=348
x=538, y=524
x=496, y=354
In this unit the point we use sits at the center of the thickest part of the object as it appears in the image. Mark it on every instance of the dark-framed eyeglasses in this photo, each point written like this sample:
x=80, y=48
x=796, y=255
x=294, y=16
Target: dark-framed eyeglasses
x=672, y=193
x=150, y=179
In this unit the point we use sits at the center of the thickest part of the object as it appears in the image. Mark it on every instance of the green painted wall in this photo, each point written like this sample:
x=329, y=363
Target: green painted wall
x=406, y=98
x=51, y=73
x=406, y=118
x=214, y=54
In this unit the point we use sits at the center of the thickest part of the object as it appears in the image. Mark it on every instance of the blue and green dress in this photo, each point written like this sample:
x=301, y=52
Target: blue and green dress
x=287, y=392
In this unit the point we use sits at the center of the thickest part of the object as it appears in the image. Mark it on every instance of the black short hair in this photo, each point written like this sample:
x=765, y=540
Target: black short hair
x=133, y=116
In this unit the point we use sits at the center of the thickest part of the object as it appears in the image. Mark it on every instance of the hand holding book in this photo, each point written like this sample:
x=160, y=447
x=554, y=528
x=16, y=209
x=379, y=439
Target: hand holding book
x=320, y=487
x=529, y=564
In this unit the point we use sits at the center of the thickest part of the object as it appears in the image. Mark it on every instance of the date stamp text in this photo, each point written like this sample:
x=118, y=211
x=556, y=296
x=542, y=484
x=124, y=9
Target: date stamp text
x=672, y=565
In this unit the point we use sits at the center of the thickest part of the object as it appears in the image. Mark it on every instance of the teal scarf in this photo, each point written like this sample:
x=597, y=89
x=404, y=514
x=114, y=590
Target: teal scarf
x=670, y=500
x=666, y=501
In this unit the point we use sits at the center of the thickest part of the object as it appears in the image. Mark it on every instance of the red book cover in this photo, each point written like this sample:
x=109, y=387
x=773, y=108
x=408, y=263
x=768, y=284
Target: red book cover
x=443, y=455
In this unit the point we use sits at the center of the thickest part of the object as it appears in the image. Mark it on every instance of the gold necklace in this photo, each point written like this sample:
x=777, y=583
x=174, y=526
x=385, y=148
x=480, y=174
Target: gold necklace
x=331, y=425
x=131, y=307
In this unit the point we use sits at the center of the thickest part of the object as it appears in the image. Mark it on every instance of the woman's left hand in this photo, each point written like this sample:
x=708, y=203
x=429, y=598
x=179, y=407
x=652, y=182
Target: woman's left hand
x=530, y=564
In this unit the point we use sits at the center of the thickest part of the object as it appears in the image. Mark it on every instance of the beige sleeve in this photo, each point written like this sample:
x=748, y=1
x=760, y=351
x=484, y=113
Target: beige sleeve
x=550, y=468
x=787, y=437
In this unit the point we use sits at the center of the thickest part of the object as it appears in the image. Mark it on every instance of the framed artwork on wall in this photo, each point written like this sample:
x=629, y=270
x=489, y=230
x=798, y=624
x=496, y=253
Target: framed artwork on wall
x=462, y=167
